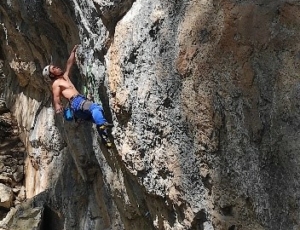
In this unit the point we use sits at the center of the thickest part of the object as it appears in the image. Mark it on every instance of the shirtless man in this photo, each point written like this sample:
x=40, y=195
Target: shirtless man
x=82, y=107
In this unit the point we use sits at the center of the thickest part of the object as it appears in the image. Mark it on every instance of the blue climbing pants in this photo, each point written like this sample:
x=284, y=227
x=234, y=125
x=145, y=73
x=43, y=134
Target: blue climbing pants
x=87, y=110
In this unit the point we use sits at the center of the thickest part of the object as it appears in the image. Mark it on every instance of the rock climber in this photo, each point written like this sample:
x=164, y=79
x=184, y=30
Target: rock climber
x=81, y=106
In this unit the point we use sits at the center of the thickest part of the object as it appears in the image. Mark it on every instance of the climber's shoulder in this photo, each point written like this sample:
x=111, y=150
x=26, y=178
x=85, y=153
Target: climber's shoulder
x=56, y=84
x=66, y=76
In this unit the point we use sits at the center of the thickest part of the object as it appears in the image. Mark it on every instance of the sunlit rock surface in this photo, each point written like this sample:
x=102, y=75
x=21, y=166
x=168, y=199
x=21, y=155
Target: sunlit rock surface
x=204, y=98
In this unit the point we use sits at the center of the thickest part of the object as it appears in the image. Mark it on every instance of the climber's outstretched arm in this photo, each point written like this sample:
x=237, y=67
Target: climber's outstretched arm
x=70, y=61
x=56, y=98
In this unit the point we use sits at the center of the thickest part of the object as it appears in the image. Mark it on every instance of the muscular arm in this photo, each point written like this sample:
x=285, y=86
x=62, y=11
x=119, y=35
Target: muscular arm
x=70, y=61
x=56, y=98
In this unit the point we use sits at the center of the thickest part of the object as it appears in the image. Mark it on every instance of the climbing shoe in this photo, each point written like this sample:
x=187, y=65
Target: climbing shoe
x=106, y=125
x=108, y=145
x=105, y=140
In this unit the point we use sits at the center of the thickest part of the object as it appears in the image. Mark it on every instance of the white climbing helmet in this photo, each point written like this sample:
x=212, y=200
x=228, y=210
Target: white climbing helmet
x=46, y=71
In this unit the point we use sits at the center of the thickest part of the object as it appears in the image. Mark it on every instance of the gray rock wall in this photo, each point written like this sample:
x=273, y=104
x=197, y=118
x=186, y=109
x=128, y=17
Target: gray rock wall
x=203, y=96
x=12, y=155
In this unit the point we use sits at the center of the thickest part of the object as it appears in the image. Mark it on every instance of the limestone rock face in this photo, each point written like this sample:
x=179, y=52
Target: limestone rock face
x=12, y=155
x=6, y=196
x=204, y=100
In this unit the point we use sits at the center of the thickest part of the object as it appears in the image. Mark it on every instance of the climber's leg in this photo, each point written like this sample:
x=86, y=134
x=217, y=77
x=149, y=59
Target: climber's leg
x=101, y=122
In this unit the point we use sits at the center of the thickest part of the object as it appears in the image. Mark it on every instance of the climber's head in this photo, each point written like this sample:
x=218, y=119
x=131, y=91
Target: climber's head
x=52, y=72
x=46, y=71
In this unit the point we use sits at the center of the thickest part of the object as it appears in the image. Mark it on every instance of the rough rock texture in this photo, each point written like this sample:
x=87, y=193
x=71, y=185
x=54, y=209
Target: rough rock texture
x=12, y=155
x=204, y=99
